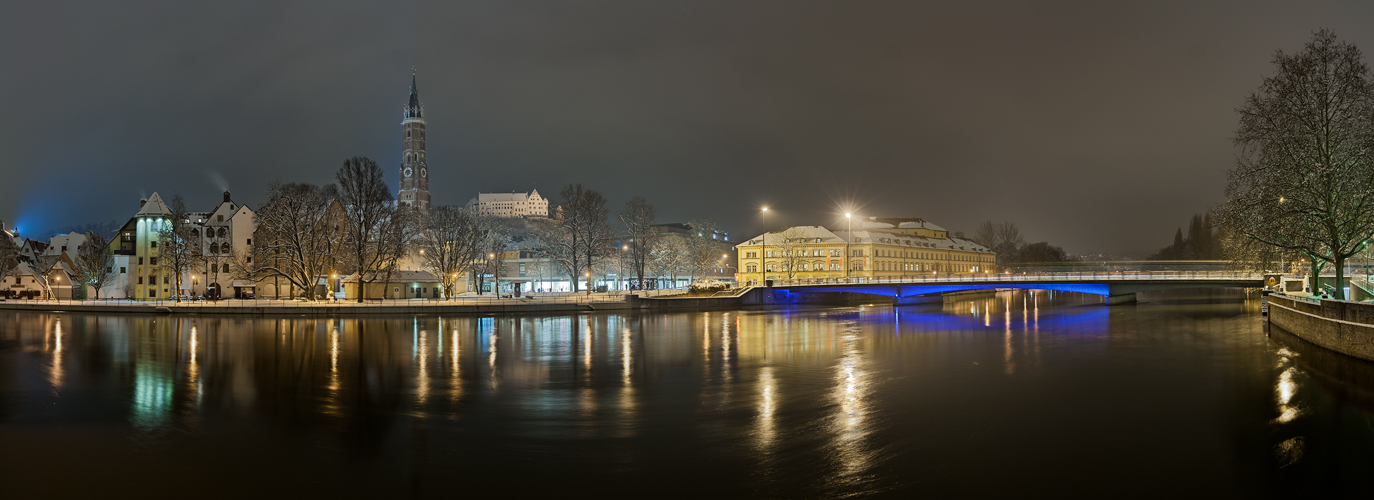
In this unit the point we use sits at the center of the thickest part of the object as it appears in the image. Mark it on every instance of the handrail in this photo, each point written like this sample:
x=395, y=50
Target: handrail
x=1009, y=277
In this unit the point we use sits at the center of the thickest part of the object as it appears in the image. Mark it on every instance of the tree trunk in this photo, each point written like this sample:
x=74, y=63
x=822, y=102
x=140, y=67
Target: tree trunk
x=1316, y=275
x=1339, y=294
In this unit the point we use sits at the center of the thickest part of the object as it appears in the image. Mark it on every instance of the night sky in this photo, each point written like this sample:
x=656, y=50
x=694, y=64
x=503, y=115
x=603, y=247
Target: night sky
x=1097, y=126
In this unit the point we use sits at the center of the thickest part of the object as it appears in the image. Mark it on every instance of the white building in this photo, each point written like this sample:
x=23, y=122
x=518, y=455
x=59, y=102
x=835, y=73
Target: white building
x=511, y=204
x=226, y=241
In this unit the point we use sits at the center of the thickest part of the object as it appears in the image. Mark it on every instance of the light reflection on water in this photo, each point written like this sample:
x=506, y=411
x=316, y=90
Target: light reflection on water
x=802, y=402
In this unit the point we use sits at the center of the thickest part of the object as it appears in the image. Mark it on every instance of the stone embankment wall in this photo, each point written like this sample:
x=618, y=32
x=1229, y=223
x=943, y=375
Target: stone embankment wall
x=1344, y=327
x=757, y=296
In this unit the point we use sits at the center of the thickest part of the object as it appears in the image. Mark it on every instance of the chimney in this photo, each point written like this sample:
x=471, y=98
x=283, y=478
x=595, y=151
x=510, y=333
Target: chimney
x=226, y=197
x=142, y=201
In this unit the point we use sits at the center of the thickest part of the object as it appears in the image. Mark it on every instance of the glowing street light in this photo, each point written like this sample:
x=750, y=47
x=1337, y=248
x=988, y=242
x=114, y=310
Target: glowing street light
x=763, y=270
x=849, y=219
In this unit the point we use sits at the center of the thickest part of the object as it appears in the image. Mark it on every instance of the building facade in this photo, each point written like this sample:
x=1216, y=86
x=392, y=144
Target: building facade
x=414, y=171
x=882, y=248
x=511, y=204
x=226, y=242
x=137, y=242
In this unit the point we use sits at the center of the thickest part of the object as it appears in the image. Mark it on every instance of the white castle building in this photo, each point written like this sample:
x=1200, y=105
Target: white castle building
x=511, y=204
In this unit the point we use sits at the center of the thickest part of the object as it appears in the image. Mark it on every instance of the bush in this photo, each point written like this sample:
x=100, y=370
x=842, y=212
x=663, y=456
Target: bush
x=709, y=286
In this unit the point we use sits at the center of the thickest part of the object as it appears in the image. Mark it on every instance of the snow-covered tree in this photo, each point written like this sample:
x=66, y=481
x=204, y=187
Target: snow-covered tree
x=1304, y=178
x=178, y=246
x=94, y=262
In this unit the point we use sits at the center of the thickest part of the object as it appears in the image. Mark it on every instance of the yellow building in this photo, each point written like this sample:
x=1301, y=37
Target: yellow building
x=881, y=248
x=136, y=251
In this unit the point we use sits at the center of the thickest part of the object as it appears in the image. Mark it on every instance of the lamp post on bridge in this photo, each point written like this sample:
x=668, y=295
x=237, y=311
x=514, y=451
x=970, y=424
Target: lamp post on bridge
x=848, y=220
x=763, y=263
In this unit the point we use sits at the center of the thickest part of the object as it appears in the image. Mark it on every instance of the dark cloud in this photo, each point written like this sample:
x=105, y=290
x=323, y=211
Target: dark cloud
x=1100, y=126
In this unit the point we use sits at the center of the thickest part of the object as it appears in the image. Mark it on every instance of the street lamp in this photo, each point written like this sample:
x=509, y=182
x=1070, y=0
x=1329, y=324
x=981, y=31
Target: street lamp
x=849, y=219
x=763, y=265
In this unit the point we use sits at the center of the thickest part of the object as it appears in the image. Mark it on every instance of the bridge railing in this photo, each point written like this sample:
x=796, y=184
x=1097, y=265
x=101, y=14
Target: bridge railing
x=1029, y=277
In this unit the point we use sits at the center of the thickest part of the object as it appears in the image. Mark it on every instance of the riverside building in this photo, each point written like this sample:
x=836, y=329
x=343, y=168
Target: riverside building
x=510, y=204
x=876, y=248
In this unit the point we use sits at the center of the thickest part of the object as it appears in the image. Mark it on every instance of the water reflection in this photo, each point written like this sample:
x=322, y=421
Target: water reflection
x=853, y=452
x=814, y=402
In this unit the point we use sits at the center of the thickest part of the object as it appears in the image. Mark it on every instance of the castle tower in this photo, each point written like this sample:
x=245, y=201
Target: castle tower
x=414, y=173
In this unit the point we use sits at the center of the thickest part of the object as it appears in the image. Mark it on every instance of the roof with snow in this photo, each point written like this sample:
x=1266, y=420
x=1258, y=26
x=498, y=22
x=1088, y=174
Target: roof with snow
x=818, y=234
x=899, y=223
x=154, y=208
x=511, y=196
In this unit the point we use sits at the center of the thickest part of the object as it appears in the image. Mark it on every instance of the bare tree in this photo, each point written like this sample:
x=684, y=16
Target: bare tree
x=791, y=243
x=453, y=239
x=95, y=262
x=367, y=202
x=492, y=257
x=179, y=249
x=9, y=255
x=300, y=235
x=1003, y=239
x=1304, y=178
x=703, y=250
x=638, y=221
x=577, y=236
x=216, y=258
x=669, y=257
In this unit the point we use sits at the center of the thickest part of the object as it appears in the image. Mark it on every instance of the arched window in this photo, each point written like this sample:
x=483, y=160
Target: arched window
x=214, y=248
x=222, y=232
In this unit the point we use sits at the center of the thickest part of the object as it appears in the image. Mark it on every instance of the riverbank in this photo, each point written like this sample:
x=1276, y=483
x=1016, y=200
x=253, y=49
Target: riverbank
x=1341, y=326
x=751, y=297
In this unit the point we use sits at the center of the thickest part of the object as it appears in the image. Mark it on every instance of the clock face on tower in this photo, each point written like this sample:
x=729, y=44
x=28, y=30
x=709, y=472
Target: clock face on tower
x=424, y=173
x=407, y=172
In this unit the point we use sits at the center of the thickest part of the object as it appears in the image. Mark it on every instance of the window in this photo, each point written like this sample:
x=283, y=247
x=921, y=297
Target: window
x=221, y=218
x=250, y=241
x=140, y=261
x=214, y=248
x=152, y=261
x=224, y=268
x=250, y=259
x=222, y=232
x=153, y=244
x=140, y=280
x=152, y=294
x=122, y=270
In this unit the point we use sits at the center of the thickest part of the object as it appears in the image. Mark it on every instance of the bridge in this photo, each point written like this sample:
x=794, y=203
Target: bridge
x=1115, y=287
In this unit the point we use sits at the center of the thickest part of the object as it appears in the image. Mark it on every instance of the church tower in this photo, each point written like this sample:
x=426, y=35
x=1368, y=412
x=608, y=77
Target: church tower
x=414, y=173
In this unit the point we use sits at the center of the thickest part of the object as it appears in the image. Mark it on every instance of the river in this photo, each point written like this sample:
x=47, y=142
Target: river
x=1009, y=395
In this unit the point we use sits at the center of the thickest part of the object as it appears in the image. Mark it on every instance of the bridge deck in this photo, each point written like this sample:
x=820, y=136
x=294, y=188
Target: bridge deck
x=1096, y=283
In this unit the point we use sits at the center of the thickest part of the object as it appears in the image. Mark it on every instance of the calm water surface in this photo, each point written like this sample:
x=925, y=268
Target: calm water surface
x=1021, y=394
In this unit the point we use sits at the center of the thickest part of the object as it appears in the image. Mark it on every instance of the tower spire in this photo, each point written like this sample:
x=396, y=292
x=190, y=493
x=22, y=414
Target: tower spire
x=413, y=109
